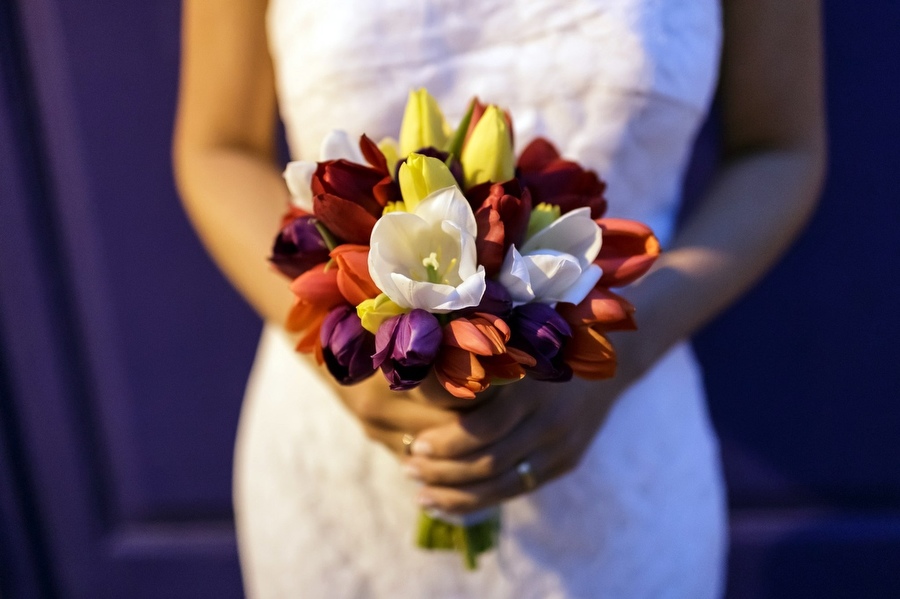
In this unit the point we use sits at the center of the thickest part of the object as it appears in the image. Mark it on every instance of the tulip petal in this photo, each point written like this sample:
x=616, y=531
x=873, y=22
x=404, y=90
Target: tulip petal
x=435, y=297
x=353, y=277
x=420, y=176
x=515, y=278
x=551, y=274
x=348, y=220
x=590, y=354
x=580, y=288
x=337, y=145
x=488, y=153
x=423, y=124
x=601, y=307
x=448, y=204
x=573, y=233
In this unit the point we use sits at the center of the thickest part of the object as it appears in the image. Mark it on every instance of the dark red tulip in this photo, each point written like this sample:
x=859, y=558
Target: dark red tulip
x=563, y=183
x=502, y=221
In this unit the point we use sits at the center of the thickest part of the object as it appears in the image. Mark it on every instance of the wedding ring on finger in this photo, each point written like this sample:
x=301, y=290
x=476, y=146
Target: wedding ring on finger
x=523, y=469
x=407, y=443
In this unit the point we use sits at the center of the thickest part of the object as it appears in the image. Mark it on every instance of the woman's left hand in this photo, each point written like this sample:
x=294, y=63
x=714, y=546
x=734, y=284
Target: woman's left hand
x=474, y=462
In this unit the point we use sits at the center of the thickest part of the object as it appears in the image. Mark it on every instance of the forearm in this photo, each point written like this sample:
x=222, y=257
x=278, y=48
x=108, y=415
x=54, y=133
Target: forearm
x=235, y=199
x=754, y=209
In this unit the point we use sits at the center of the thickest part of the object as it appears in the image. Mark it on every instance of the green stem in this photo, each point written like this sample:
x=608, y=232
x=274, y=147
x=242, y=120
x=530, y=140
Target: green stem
x=470, y=541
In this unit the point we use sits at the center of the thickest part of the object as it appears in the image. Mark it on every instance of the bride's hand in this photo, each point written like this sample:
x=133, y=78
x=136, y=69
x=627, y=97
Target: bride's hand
x=473, y=461
x=387, y=416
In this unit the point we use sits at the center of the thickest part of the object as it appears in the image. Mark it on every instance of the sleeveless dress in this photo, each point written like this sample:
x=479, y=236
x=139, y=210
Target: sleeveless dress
x=620, y=86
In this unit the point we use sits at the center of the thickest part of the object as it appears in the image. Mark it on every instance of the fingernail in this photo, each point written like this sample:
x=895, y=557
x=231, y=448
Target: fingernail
x=425, y=500
x=412, y=471
x=421, y=447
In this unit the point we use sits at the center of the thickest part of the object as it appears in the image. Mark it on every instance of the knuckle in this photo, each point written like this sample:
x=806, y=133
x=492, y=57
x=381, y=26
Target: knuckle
x=488, y=465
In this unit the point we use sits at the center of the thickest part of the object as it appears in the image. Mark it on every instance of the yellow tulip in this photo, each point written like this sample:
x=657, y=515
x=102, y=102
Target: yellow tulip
x=423, y=124
x=488, y=154
x=421, y=176
x=541, y=217
x=373, y=312
x=391, y=151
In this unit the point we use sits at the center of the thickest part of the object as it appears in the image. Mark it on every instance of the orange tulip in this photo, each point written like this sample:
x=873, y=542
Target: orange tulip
x=601, y=307
x=590, y=354
x=629, y=250
x=482, y=334
x=474, y=353
x=460, y=372
x=353, y=279
x=317, y=293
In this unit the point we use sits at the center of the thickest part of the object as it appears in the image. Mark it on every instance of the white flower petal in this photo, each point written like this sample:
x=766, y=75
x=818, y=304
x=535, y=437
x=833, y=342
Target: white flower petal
x=551, y=274
x=395, y=245
x=436, y=297
x=573, y=233
x=298, y=176
x=338, y=145
x=579, y=290
x=448, y=204
x=514, y=277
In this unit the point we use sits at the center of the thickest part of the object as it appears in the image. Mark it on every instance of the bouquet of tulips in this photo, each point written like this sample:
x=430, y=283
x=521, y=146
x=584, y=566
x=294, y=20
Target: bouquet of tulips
x=442, y=253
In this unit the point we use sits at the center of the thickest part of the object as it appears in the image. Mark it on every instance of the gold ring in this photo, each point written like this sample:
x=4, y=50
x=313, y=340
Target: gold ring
x=407, y=443
x=526, y=475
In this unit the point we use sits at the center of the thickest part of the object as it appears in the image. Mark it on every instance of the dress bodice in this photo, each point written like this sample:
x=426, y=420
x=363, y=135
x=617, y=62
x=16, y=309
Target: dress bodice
x=618, y=85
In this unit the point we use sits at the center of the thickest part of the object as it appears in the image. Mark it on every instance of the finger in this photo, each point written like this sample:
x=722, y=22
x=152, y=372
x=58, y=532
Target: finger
x=476, y=429
x=533, y=433
x=544, y=467
x=395, y=440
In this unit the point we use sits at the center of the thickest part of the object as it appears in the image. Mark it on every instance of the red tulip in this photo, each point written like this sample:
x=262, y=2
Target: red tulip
x=629, y=250
x=348, y=197
x=502, y=221
x=563, y=183
x=601, y=307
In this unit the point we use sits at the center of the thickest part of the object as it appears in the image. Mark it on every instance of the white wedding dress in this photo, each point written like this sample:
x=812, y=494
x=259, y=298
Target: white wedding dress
x=620, y=86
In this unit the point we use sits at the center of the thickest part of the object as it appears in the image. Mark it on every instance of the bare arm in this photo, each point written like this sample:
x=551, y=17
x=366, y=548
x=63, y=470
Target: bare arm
x=766, y=191
x=224, y=152
x=224, y=146
x=774, y=126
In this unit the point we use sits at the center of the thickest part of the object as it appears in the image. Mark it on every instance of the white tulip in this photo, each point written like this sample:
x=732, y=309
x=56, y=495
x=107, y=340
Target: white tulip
x=426, y=258
x=556, y=263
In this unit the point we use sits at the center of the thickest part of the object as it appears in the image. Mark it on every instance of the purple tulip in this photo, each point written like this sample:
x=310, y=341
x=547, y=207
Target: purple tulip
x=346, y=346
x=496, y=301
x=405, y=348
x=298, y=247
x=540, y=331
